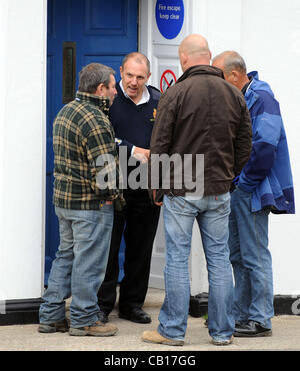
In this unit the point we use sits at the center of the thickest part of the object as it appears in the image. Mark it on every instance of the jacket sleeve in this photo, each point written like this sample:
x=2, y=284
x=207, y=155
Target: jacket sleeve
x=103, y=161
x=266, y=125
x=243, y=140
x=161, y=138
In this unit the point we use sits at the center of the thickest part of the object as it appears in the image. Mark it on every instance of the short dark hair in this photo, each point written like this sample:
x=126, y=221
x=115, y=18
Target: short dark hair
x=92, y=75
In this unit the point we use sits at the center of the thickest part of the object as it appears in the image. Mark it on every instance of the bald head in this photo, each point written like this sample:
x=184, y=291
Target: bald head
x=193, y=51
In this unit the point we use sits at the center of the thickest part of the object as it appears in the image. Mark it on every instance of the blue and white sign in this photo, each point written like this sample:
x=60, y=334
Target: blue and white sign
x=169, y=16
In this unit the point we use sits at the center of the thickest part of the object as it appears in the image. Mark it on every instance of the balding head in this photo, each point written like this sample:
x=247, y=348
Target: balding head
x=193, y=51
x=233, y=66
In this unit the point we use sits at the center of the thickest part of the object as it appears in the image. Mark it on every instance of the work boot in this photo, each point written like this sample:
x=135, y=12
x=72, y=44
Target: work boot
x=97, y=329
x=53, y=327
x=156, y=338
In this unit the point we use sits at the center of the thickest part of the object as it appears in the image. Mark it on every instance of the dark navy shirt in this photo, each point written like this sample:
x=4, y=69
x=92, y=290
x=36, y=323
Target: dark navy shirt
x=133, y=123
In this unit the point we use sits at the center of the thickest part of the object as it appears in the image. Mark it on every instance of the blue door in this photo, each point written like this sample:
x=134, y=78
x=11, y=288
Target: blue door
x=80, y=32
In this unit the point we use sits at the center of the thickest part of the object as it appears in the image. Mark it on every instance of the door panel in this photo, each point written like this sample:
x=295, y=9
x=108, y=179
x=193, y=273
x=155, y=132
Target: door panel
x=103, y=31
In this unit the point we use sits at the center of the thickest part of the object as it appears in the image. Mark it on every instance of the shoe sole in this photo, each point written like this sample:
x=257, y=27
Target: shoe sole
x=222, y=343
x=78, y=332
x=42, y=330
x=167, y=342
x=259, y=334
x=50, y=330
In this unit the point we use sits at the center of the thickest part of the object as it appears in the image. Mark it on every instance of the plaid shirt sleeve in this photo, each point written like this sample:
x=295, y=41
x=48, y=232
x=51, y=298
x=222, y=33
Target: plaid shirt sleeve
x=103, y=160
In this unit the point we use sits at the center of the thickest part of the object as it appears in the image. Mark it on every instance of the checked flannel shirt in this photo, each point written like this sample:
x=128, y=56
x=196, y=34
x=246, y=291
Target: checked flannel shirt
x=81, y=133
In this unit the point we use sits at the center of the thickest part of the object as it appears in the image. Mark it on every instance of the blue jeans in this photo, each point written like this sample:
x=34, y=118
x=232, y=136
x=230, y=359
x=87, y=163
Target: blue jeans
x=251, y=261
x=79, y=267
x=211, y=213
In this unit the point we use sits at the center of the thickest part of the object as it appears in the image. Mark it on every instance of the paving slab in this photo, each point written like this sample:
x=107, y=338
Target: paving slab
x=286, y=336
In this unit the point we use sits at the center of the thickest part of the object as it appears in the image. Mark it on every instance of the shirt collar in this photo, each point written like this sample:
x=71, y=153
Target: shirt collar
x=101, y=102
x=145, y=97
x=246, y=86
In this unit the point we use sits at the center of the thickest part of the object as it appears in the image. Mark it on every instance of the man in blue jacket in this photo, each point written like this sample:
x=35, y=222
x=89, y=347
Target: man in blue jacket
x=265, y=185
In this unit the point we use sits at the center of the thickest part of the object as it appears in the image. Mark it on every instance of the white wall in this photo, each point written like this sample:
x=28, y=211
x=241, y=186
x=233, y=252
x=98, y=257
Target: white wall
x=267, y=34
x=22, y=147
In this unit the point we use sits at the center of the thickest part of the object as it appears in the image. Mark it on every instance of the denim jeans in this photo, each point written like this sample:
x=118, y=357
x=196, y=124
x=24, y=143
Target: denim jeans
x=251, y=261
x=79, y=267
x=211, y=213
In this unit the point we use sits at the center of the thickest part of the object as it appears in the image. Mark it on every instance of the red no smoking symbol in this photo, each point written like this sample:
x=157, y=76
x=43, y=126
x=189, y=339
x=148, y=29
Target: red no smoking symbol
x=167, y=79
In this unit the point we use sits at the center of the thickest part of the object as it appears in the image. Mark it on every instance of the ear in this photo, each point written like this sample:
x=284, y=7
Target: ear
x=100, y=90
x=235, y=75
x=183, y=59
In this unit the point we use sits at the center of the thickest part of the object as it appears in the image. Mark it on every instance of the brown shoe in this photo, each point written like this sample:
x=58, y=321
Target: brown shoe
x=156, y=338
x=97, y=329
x=53, y=327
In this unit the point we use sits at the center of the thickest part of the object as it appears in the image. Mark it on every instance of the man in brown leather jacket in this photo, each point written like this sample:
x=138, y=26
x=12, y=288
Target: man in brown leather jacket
x=200, y=114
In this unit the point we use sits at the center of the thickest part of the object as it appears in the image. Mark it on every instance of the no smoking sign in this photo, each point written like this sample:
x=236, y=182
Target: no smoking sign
x=168, y=79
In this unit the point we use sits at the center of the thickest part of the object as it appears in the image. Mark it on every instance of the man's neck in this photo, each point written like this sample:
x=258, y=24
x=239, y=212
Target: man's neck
x=244, y=82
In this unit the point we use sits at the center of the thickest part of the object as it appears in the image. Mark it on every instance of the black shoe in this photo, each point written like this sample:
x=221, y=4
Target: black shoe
x=252, y=329
x=239, y=325
x=135, y=315
x=53, y=327
x=103, y=316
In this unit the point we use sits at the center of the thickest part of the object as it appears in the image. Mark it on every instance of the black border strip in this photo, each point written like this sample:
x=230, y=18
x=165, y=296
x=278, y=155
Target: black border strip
x=26, y=311
x=20, y=312
x=283, y=305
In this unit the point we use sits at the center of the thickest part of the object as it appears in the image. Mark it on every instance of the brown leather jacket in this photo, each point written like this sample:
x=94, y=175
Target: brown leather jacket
x=202, y=114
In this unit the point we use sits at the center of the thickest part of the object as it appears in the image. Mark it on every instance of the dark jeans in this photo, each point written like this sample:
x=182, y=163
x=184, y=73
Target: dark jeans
x=140, y=219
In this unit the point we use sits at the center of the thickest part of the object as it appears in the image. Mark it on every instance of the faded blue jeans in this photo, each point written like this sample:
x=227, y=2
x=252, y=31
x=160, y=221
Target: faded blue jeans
x=211, y=213
x=79, y=267
x=251, y=261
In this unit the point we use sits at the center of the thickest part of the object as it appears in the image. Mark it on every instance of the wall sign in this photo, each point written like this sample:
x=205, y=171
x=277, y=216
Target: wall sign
x=169, y=15
x=168, y=79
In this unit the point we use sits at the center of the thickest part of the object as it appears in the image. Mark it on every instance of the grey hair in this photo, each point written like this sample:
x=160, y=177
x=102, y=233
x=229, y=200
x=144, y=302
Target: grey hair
x=92, y=75
x=138, y=57
x=232, y=61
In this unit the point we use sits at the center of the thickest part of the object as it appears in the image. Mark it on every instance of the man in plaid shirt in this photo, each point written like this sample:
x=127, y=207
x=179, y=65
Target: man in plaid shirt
x=84, y=149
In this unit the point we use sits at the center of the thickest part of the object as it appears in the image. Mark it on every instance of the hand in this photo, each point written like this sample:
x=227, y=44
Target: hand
x=154, y=197
x=141, y=154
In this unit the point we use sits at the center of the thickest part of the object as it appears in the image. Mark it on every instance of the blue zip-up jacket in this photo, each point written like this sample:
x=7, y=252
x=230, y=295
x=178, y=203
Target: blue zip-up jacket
x=267, y=174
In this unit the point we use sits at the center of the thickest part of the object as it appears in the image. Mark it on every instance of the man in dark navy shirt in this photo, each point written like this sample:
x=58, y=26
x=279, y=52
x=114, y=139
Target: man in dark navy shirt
x=132, y=116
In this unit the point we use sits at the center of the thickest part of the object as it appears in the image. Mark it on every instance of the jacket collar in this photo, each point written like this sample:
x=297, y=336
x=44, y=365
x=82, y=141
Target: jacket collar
x=201, y=70
x=250, y=95
x=101, y=102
